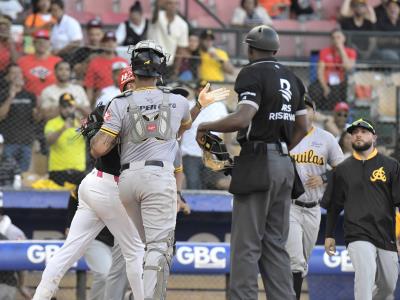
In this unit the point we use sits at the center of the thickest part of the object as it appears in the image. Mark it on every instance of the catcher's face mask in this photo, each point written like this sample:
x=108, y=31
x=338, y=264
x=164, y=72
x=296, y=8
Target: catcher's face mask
x=215, y=155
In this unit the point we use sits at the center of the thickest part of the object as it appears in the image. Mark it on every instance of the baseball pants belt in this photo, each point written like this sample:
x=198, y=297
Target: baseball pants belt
x=156, y=163
x=306, y=204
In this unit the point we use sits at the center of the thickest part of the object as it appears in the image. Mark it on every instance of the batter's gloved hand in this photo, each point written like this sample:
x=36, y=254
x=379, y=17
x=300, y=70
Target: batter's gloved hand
x=330, y=246
x=206, y=98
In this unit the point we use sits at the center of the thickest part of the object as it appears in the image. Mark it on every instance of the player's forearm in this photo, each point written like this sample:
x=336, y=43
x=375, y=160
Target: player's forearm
x=331, y=220
x=51, y=138
x=101, y=144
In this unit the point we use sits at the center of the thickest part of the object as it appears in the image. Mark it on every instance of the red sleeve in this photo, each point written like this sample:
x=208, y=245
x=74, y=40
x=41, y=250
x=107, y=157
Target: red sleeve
x=322, y=54
x=351, y=53
x=89, y=77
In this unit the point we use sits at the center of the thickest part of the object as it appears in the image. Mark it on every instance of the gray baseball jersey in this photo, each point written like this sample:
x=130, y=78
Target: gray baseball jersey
x=117, y=122
x=313, y=154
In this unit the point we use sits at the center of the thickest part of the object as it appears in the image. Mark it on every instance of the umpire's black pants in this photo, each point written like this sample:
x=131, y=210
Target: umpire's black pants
x=260, y=227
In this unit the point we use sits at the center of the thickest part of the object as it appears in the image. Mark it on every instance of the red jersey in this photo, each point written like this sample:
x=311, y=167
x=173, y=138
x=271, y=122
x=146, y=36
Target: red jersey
x=334, y=71
x=5, y=56
x=99, y=72
x=38, y=72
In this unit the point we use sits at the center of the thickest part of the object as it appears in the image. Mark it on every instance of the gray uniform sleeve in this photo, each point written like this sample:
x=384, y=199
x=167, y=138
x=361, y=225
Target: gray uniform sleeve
x=186, y=117
x=113, y=118
x=335, y=153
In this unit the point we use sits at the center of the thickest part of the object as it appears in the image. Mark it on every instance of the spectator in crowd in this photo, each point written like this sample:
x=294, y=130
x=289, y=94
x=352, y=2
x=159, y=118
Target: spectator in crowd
x=8, y=53
x=190, y=60
x=18, y=117
x=345, y=144
x=356, y=15
x=40, y=18
x=80, y=58
x=197, y=176
x=337, y=123
x=389, y=20
x=10, y=174
x=99, y=71
x=11, y=281
x=67, y=159
x=49, y=98
x=358, y=8
x=66, y=33
x=134, y=29
x=214, y=62
x=277, y=9
x=302, y=10
x=171, y=32
x=112, y=90
x=380, y=10
x=38, y=68
x=334, y=62
x=11, y=8
x=250, y=14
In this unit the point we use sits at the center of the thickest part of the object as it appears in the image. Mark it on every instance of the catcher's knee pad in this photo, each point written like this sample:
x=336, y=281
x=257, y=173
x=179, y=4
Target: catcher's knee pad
x=157, y=264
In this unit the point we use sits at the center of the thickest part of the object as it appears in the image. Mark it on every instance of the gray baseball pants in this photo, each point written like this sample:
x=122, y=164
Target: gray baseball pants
x=303, y=233
x=376, y=271
x=149, y=196
x=260, y=226
x=98, y=257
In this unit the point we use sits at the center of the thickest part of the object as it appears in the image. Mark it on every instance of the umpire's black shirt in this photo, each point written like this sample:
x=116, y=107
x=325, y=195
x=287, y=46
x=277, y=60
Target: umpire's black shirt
x=278, y=96
x=368, y=191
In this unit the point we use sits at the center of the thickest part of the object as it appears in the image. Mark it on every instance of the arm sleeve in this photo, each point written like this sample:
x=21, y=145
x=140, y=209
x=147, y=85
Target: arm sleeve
x=301, y=106
x=396, y=184
x=75, y=31
x=248, y=88
x=335, y=204
x=112, y=119
x=186, y=117
x=335, y=153
x=120, y=33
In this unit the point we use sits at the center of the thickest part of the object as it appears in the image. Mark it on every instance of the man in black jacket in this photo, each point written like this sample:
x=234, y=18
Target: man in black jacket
x=367, y=187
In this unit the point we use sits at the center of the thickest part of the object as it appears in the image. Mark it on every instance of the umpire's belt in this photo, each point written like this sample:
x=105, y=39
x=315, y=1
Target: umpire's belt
x=306, y=204
x=251, y=146
x=155, y=163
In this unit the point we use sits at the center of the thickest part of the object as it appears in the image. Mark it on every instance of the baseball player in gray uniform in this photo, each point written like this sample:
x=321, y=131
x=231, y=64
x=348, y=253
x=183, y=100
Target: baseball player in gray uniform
x=312, y=155
x=147, y=122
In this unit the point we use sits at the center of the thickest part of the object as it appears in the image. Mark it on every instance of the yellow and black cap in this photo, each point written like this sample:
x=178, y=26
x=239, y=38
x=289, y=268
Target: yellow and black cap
x=361, y=123
x=66, y=100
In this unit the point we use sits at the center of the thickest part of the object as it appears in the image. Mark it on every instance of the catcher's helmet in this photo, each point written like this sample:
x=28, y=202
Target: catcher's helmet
x=149, y=59
x=215, y=155
x=263, y=37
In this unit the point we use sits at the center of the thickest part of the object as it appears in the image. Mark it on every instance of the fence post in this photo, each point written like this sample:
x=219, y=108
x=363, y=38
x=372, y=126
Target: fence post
x=81, y=285
x=227, y=290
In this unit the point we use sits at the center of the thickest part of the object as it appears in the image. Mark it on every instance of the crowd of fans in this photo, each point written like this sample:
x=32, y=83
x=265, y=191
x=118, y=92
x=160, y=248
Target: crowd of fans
x=60, y=71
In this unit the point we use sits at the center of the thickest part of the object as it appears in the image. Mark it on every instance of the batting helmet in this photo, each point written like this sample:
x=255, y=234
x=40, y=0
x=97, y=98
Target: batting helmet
x=125, y=76
x=263, y=37
x=149, y=59
x=215, y=155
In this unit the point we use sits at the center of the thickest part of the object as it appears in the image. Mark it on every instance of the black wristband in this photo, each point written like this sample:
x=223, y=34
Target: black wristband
x=198, y=105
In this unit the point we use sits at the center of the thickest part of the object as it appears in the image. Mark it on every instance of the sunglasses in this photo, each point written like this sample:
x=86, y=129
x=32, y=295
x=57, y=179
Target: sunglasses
x=342, y=114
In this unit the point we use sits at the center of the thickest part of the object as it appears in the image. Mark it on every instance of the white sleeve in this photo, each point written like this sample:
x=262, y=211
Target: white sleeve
x=120, y=34
x=335, y=153
x=184, y=40
x=75, y=31
x=82, y=95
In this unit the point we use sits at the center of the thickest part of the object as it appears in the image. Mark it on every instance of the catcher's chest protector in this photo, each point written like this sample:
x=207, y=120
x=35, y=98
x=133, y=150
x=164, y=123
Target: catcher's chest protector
x=153, y=125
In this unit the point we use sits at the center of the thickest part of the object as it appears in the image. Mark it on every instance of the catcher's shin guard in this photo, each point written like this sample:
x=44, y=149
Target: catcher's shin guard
x=157, y=264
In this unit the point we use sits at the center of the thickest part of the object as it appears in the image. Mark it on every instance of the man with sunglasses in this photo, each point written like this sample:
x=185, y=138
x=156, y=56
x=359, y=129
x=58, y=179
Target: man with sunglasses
x=312, y=155
x=337, y=123
x=367, y=187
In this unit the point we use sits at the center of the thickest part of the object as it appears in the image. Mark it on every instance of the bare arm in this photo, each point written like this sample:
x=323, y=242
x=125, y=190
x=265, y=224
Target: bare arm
x=68, y=48
x=90, y=95
x=345, y=10
x=179, y=54
x=371, y=16
x=52, y=137
x=228, y=67
x=348, y=63
x=101, y=144
x=300, y=130
x=49, y=113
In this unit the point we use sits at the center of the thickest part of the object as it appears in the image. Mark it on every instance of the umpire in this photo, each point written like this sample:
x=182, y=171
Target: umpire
x=367, y=187
x=270, y=118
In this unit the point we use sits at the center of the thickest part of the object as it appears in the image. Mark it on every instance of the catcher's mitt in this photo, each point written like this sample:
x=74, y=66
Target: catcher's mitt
x=92, y=124
x=215, y=155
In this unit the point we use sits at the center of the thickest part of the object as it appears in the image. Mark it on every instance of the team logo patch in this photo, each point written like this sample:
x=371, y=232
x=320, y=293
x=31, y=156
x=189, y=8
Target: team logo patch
x=107, y=115
x=378, y=174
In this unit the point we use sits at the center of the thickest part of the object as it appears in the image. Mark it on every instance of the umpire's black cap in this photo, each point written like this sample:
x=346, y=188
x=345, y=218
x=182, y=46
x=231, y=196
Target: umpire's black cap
x=263, y=37
x=361, y=123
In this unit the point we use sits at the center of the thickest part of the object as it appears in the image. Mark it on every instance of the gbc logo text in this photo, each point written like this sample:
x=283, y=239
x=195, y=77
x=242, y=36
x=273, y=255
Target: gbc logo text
x=41, y=254
x=340, y=259
x=202, y=257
